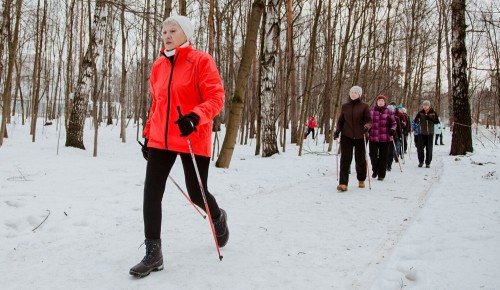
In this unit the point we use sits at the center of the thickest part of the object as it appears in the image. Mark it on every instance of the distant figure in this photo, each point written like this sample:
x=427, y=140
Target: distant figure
x=438, y=132
x=394, y=152
x=406, y=129
x=311, y=125
x=353, y=123
x=425, y=120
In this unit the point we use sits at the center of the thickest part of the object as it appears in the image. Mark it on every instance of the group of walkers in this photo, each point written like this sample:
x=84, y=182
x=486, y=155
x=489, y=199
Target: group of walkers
x=187, y=93
x=383, y=131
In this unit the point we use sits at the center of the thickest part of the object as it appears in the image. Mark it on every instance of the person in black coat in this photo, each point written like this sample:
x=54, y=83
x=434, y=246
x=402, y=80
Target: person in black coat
x=425, y=120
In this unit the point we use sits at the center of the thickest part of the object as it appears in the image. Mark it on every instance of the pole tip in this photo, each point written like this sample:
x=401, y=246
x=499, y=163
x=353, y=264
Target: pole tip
x=220, y=258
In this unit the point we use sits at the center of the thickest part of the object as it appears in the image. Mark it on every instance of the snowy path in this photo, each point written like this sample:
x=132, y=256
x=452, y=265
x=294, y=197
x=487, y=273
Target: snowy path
x=290, y=228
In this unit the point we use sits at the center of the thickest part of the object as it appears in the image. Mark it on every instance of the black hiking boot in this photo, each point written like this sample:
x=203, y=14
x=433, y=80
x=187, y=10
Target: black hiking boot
x=153, y=261
x=221, y=229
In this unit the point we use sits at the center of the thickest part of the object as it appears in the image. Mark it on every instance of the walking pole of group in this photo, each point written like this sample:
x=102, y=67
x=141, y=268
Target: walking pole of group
x=397, y=156
x=337, y=157
x=367, y=166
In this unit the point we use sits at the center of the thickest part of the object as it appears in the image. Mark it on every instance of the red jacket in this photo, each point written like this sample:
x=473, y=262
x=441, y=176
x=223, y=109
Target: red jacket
x=192, y=83
x=311, y=123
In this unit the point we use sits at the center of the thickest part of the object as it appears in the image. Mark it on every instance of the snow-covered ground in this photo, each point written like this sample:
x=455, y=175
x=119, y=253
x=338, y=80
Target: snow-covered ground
x=422, y=228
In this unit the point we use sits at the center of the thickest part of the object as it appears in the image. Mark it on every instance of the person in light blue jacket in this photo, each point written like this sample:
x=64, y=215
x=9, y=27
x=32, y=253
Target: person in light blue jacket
x=438, y=132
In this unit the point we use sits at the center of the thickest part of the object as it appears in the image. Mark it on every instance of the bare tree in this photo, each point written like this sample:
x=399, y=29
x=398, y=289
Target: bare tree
x=12, y=45
x=241, y=84
x=74, y=137
x=310, y=71
x=268, y=94
x=462, y=135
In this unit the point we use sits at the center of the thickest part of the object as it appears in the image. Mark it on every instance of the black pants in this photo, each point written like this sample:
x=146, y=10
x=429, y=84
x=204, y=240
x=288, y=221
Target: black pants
x=440, y=138
x=378, y=157
x=405, y=143
x=346, y=147
x=309, y=130
x=160, y=163
x=425, y=144
x=393, y=153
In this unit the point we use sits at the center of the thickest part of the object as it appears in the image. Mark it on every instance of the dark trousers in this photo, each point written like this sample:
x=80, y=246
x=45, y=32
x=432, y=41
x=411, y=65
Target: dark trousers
x=160, y=163
x=405, y=143
x=309, y=130
x=425, y=144
x=440, y=138
x=378, y=157
x=393, y=153
x=346, y=147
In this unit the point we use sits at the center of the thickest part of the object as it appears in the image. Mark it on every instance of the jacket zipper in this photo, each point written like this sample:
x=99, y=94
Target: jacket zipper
x=168, y=102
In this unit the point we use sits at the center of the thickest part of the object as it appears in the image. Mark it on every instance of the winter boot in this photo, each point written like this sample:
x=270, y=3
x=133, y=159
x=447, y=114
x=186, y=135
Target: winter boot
x=221, y=229
x=361, y=184
x=342, y=187
x=153, y=261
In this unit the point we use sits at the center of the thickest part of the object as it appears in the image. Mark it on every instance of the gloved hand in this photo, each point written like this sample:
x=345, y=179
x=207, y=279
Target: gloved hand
x=144, y=149
x=187, y=123
x=336, y=135
x=365, y=130
x=391, y=132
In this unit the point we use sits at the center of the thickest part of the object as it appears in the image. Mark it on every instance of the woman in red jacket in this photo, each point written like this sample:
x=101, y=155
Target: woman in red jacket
x=187, y=93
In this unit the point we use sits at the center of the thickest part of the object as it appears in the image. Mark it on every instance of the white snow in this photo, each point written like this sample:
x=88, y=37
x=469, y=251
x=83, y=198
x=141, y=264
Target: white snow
x=423, y=228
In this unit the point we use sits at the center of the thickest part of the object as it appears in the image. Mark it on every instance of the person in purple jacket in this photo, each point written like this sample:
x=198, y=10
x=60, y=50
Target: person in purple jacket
x=383, y=127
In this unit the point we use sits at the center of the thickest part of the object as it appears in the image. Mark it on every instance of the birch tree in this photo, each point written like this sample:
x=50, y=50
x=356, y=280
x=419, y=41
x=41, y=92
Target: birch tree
x=268, y=77
x=461, y=142
x=74, y=136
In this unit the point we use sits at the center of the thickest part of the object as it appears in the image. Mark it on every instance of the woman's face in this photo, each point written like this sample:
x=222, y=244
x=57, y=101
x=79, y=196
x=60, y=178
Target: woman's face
x=354, y=95
x=380, y=102
x=172, y=35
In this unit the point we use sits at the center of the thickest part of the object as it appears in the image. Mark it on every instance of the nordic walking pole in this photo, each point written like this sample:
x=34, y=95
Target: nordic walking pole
x=207, y=210
x=367, y=167
x=337, y=157
x=185, y=195
x=396, y=151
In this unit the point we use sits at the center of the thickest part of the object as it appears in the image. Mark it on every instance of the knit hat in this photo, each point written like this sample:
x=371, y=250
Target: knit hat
x=381, y=97
x=357, y=89
x=399, y=107
x=184, y=23
x=426, y=103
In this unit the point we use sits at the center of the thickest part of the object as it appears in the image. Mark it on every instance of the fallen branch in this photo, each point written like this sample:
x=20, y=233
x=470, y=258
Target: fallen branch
x=42, y=221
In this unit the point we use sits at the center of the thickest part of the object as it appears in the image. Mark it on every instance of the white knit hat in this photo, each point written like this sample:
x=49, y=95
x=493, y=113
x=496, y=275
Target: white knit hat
x=357, y=89
x=184, y=23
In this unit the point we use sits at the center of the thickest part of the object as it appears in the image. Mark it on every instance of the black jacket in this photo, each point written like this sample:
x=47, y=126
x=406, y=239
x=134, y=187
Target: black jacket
x=425, y=121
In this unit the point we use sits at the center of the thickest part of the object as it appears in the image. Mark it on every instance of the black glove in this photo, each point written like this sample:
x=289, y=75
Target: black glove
x=336, y=135
x=187, y=123
x=365, y=130
x=144, y=149
x=391, y=132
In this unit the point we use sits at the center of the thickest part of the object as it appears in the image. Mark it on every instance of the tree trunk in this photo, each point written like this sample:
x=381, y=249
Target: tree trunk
x=37, y=69
x=268, y=77
x=291, y=73
x=123, y=105
x=74, y=137
x=310, y=72
x=461, y=142
x=12, y=45
x=241, y=84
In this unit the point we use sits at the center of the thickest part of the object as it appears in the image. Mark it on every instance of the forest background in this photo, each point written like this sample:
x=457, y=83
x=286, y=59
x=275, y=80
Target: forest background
x=280, y=60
